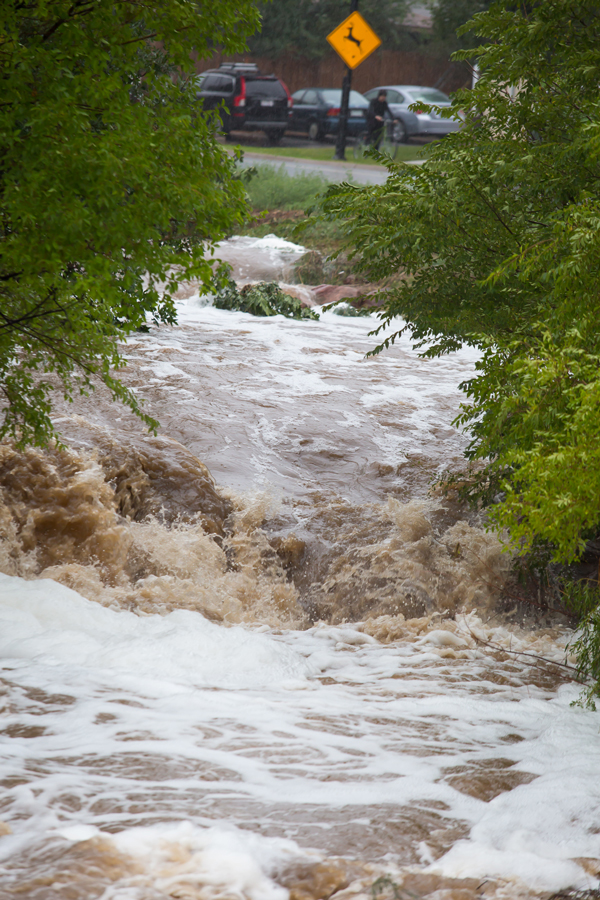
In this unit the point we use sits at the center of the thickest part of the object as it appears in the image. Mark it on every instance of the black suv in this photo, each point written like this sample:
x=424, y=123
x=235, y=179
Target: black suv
x=246, y=99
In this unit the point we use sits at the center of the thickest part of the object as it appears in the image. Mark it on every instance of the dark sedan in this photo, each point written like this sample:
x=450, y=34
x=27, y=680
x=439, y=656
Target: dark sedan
x=316, y=111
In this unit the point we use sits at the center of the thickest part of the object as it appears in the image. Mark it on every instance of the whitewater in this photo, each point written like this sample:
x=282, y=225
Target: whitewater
x=257, y=656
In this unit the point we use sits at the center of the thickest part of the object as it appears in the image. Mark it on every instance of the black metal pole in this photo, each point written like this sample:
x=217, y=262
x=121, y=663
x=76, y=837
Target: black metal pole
x=340, y=146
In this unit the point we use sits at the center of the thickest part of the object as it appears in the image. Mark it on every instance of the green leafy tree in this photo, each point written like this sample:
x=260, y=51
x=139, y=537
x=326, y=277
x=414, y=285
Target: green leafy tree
x=112, y=185
x=498, y=236
x=448, y=16
x=301, y=26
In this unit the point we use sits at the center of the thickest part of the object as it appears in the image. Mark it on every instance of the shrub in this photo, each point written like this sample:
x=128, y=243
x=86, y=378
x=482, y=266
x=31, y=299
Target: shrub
x=263, y=299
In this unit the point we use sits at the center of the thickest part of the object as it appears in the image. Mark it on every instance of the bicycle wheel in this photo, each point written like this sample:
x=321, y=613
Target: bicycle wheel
x=400, y=132
x=389, y=146
x=360, y=146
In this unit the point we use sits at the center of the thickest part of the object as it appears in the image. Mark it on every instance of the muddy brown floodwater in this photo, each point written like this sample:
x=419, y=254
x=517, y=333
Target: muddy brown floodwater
x=244, y=659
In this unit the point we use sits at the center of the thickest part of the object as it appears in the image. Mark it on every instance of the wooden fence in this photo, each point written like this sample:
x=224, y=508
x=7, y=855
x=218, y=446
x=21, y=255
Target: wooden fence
x=382, y=67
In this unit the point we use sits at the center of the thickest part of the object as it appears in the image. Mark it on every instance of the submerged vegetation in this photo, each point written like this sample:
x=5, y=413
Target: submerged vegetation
x=263, y=299
x=499, y=235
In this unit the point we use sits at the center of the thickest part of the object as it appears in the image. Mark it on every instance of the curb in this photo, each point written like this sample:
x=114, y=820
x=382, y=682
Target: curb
x=335, y=165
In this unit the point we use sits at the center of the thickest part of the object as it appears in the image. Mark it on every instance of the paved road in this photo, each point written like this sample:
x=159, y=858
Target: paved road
x=329, y=169
x=332, y=171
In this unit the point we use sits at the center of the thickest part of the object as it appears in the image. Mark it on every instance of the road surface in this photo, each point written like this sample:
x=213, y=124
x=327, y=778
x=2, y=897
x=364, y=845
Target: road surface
x=329, y=169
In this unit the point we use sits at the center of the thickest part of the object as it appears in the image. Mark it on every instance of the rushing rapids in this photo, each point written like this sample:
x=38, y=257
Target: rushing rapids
x=253, y=657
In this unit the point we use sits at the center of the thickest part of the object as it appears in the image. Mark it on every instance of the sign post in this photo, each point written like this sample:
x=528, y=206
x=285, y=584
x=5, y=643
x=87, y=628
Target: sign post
x=353, y=40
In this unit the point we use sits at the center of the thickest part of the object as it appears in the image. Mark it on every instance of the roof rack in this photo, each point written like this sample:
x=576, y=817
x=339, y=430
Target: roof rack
x=240, y=67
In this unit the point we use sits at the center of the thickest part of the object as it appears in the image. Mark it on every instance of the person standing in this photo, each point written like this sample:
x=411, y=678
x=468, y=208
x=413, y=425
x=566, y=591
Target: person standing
x=378, y=108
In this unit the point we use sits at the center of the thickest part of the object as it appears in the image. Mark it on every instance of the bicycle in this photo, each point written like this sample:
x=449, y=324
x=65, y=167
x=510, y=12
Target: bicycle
x=395, y=133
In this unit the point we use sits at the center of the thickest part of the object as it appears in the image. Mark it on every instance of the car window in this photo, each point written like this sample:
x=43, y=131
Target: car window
x=271, y=90
x=370, y=95
x=335, y=96
x=297, y=97
x=359, y=100
x=428, y=95
x=311, y=97
x=225, y=84
x=394, y=97
x=211, y=83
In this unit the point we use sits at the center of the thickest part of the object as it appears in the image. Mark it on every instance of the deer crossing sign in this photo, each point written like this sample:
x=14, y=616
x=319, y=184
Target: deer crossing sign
x=353, y=40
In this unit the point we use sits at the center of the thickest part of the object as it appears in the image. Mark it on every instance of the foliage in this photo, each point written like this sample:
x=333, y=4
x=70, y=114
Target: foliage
x=586, y=647
x=301, y=26
x=263, y=299
x=272, y=188
x=385, y=884
x=112, y=186
x=343, y=308
x=448, y=16
x=310, y=268
x=500, y=234
x=582, y=598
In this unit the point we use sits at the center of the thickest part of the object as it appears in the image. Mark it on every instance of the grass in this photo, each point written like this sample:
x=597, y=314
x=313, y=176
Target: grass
x=282, y=197
x=406, y=152
x=278, y=200
x=270, y=187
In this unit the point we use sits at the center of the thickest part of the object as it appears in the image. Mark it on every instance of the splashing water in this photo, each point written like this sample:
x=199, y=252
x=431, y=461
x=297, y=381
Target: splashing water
x=289, y=681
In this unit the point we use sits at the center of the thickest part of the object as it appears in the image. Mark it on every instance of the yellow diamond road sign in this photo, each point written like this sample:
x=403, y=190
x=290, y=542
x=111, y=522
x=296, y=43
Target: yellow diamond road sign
x=354, y=40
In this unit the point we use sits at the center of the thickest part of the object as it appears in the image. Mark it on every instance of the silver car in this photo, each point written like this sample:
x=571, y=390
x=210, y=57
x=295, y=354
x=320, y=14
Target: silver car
x=401, y=96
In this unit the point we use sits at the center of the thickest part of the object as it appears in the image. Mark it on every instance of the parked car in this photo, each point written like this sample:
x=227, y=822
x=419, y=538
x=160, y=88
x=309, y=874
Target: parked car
x=401, y=96
x=316, y=111
x=247, y=100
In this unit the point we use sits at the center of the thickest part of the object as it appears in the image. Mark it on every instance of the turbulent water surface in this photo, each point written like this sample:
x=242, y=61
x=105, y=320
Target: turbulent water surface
x=288, y=681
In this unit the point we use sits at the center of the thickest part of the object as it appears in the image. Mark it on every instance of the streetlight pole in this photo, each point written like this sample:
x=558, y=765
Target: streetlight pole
x=340, y=146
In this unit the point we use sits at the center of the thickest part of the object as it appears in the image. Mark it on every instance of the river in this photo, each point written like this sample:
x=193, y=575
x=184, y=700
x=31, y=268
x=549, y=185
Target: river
x=256, y=657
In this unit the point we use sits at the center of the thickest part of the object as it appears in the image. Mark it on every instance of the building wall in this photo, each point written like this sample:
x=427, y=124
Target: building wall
x=382, y=67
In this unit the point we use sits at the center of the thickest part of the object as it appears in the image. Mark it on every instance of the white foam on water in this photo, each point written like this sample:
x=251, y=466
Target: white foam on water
x=45, y=621
x=536, y=831
x=228, y=859
x=180, y=856
x=268, y=242
x=259, y=259
x=165, y=370
x=301, y=379
x=224, y=724
x=173, y=739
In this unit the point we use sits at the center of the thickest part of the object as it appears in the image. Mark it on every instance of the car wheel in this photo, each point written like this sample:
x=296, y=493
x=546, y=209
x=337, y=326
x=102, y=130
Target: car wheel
x=314, y=132
x=400, y=132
